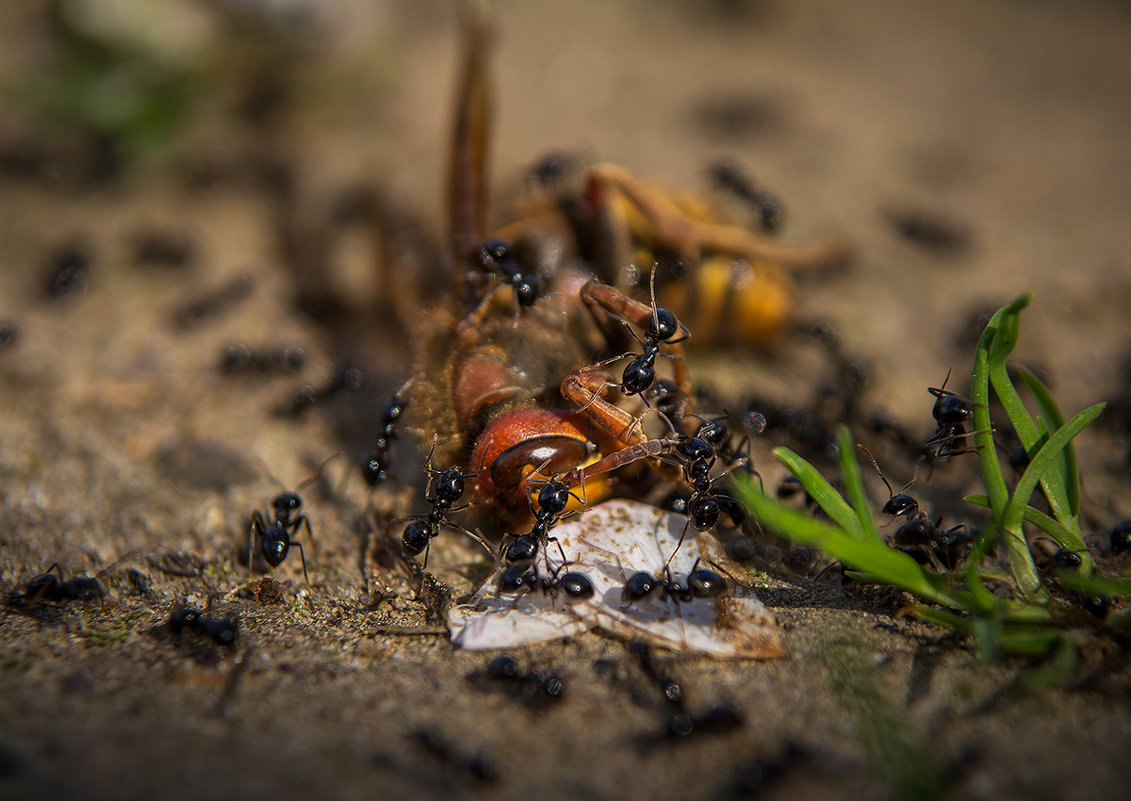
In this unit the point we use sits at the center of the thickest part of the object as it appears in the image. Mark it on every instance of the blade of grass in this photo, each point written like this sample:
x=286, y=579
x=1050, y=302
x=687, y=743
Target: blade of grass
x=854, y=485
x=1051, y=412
x=821, y=491
x=1033, y=516
x=1042, y=463
x=1094, y=585
x=886, y=565
x=992, y=477
x=1023, y=423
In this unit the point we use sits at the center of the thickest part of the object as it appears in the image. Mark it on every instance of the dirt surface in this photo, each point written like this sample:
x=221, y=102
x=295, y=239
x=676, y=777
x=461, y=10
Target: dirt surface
x=122, y=445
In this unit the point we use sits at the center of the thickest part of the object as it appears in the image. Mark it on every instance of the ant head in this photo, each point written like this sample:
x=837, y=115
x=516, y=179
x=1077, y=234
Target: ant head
x=639, y=585
x=490, y=252
x=287, y=502
x=449, y=485
x=713, y=432
x=525, y=289
x=664, y=325
x=1121, y=537
x=553, y=498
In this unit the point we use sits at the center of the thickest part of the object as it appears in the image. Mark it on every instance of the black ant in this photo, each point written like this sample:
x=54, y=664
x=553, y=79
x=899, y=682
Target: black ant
x=669, y=687
x=923, y=540
x=699, y=583
x=524, y=578
x=731, y=178
x=445, y=489
x=476, y=767
x=375, y=467
x=639, y=374
x=222, y=631
x=239, y=358
x=545, y=686
x=276, y=537
x=717, y=720
x=897, y=504
x=553, y=498
x=48, y=586
x=213, y=303
x=8, y=333
x=1121, y=537
x=67, y=271
x=494, y=256
x=951, y=411
x=347, y=378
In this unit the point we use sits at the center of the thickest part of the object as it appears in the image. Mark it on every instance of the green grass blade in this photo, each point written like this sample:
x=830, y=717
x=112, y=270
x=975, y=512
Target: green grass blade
x=822, y=492
x=1034, y=516
x=1042, y=463
x=1023, y=423
x=1094, y=585
x=1051, y=412
x=992, y=477
x=884, y=564
x=854, y=484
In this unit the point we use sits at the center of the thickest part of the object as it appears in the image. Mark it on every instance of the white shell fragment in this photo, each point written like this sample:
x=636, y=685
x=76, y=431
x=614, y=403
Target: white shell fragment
x=607, y=544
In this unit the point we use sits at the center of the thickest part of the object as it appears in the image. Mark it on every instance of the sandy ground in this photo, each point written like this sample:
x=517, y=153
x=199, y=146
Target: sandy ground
x=119, y=437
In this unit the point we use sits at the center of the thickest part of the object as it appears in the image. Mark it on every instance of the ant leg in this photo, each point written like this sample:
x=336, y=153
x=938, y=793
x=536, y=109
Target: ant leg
x=477, y=537
x=302, y=556
x=305, y=521
x=258, y=526
x=678, y=545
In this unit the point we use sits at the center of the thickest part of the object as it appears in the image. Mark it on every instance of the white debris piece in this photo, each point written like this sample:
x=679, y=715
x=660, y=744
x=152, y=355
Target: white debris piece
x=609, y=543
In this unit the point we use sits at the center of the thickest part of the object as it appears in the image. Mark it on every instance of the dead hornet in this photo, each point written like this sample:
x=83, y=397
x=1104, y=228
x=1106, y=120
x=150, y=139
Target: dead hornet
x=513, y=377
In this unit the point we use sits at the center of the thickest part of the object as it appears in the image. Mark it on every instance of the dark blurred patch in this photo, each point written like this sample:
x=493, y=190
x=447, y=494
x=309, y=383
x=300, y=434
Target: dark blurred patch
x=737, y=117
x=213, y=303
x=203, y=464
x=67, y=271
x=930, y=231
x=156, y=247
x=8, y=334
